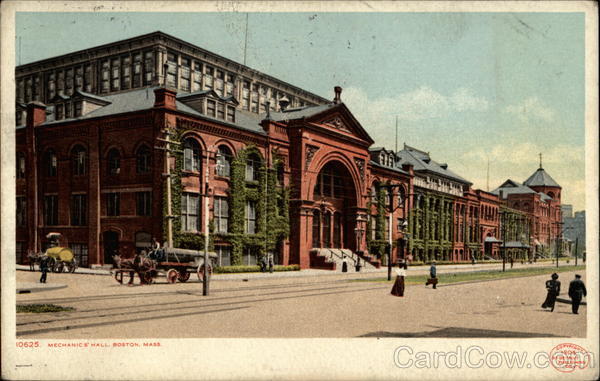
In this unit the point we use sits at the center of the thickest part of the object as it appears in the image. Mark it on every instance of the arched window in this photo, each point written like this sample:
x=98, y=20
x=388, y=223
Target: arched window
x=20, y=165
x=50, y=163
x=143, y=159
x=114, y=162
x=374, y=188
x=224, y=161
x=78, y=160
x=551, y=194
x=252, y=167
x=191, y=155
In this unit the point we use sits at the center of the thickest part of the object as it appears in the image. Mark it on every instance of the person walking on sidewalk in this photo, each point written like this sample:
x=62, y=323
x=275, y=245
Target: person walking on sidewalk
x=398, y=288
x=553, y=287
x=432, y=276
x=576, y=292
x=344, y=264
x=44, y=264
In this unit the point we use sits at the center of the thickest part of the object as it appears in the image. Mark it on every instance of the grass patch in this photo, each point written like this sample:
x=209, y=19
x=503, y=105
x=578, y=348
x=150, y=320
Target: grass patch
x=479, y=275
x=41, y=308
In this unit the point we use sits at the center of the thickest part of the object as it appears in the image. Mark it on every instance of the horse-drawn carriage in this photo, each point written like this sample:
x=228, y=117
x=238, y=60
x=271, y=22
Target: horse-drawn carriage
x=59, y=257
x=176, y=264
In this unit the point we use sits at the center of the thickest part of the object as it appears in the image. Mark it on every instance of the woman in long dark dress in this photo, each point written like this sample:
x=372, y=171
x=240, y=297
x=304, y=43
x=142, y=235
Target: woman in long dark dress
x=398, y=288
x=553, y=287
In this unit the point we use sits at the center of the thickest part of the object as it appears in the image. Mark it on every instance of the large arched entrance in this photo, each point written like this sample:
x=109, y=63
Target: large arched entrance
x=334, y=213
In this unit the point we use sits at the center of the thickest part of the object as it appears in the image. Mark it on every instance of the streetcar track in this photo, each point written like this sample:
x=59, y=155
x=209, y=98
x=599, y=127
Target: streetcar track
x=154, y=317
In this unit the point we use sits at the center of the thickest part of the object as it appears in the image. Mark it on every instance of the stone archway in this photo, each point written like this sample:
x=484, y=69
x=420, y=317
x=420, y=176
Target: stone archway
x=334, y=213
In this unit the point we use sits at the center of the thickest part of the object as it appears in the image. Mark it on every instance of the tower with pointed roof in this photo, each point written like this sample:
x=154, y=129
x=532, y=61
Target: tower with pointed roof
x=541, y=181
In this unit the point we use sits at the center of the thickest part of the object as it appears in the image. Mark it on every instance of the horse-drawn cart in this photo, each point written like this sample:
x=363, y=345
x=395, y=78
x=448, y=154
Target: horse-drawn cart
x=176, y=264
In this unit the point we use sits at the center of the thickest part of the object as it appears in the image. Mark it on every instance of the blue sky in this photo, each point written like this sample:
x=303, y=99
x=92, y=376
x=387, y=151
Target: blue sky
x=465, y=86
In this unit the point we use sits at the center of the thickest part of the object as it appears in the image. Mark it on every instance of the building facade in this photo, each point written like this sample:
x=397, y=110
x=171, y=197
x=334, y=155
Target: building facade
x=154, y=137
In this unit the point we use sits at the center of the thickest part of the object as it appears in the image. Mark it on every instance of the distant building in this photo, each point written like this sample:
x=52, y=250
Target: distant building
x=567, y=211
x=575, y=230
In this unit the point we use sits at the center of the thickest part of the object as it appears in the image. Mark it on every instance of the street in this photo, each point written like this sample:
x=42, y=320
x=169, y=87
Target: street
x=319, y=306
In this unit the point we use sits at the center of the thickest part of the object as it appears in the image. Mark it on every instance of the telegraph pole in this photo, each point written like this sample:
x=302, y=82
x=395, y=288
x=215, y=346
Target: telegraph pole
x=576, y=244
x=167, y=176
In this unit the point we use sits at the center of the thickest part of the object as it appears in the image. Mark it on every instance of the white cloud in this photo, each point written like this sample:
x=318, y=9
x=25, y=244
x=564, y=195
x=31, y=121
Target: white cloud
x=418, y=104
x=530, y=109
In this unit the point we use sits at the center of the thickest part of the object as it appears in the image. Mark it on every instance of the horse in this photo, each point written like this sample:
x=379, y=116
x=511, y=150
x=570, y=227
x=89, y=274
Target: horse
x=33, y=258
x=139, y=264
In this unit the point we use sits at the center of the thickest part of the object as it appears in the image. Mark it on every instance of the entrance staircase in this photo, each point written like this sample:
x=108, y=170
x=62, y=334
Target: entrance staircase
x=331, y=259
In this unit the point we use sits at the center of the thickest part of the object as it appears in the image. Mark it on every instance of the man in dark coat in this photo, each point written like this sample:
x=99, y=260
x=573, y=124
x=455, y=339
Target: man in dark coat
x=553, y=287
x=44, y=267
x=432, y=276
x=576, y=292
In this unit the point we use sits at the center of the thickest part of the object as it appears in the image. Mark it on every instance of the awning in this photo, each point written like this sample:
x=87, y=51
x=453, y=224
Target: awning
x=515, y=245
x=492, y=240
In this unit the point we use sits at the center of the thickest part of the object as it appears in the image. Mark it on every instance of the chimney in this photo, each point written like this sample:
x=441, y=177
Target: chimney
x=36, y=113
x=283, y=103
x=164, y=97
x=338, y=95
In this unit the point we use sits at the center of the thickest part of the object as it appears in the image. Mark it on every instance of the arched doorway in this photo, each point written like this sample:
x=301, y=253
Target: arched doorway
x=110, y=241
x=334, y=216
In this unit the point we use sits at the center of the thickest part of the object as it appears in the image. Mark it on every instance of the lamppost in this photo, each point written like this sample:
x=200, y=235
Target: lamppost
x=503, y=222
x=392, y=209
x=558, y=237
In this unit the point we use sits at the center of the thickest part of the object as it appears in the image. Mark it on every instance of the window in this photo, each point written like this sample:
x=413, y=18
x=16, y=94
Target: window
x=171, y=70
x=21, y=210
x=221, y=215
x=219, y=84
x=190, y=209
x=185, y=74
x=249, y=257
x=69, y=82
x=326, y=229
x=191, y=155
x=143, y=203
x=250, y=215
x=78, y=108
x=115, y=69
x=60, y=82
x=220, y=110
x=224, y=161
x=68, y=110
x=20, y=165
x=197, y=84
x=337, y=230
x=20, y=90
x=104, y=77
x=263, y=99
x=79, y=78
x=51, y=210
x=224, y=253
x=113, y=204
x=60, y=111
x=148, y=67
x=330, y=183
x=231, y=114
x=28, y=86
x=78, y=160
x=114, y=162
x=252, y=167
x=254, y=98
x=210, y=108
x=80, y=251
x=87, y=77
x=246, y=95
x=125, y=72
x=137, y=70
x=208, y=78
x=228, y=85
x=143, y=159
x=50, y=163
x=36, y=88
x=51, y=82
x=79, y=210
x=316, y=229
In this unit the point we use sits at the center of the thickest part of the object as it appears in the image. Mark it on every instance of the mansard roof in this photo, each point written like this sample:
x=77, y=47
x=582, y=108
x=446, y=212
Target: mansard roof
x=422, y=162
x=541, y=178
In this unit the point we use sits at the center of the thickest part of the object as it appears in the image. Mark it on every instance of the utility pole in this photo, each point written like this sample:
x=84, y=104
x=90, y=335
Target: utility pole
x=246, y=39
x=167, y=176
x=576, y=244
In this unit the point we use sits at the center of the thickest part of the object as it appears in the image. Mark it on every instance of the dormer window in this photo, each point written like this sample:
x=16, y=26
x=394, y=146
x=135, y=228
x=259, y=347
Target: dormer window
x=231, y=114
x=59, y=111
x=220, y=110
x=68, y=110
x=210, y=108
x=78, y=108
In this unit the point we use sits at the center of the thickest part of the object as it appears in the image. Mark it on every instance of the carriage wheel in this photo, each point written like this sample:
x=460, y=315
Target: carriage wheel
x=201, y=272
x=172, y=276
x=59, y=267
x=183, y=276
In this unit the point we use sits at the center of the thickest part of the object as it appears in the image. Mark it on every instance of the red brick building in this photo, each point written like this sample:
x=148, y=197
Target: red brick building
x=261, y=165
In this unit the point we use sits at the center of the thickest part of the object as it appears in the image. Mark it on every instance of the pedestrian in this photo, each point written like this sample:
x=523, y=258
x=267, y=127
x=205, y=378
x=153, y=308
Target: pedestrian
x=271, y=263
x=263, y=264
x=344, y=264
x=432, y=276
x=398, y=288
x=511, y=261
x=44, y=264
x=576, y=292
x=553, y=287
x=358, y=264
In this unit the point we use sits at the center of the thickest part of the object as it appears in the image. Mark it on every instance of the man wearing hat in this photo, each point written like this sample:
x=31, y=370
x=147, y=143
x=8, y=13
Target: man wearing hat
x=553, y=287
x=576, y=292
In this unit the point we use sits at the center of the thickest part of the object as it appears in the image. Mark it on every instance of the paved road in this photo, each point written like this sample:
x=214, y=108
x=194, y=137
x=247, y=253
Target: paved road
x=329, y=306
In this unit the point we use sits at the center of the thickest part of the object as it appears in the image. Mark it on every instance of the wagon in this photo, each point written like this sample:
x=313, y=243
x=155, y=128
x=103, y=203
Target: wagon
x=175, y=264
x=60, y=258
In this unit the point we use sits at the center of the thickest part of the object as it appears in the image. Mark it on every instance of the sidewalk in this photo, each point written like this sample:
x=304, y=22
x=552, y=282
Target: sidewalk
x=414, y=270
x=27, y=288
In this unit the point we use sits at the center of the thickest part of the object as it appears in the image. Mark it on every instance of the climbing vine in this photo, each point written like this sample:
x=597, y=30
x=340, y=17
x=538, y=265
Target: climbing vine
x=378, y=246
